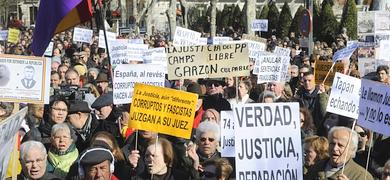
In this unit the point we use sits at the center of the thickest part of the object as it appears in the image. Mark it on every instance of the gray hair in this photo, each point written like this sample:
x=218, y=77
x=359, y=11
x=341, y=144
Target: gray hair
x=294, y=67
x=267, y=94
x=208, y=126
x=58, y=127
x=354, y=139
x=28, y=146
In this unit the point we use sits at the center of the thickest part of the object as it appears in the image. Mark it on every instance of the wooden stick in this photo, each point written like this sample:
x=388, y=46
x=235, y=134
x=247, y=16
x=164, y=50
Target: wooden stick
x=368, y=157
x=349, y=141
x=331, y=68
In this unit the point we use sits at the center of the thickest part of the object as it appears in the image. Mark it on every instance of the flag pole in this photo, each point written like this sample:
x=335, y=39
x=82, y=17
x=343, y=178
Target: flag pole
x=326, y=77
x=105, y=39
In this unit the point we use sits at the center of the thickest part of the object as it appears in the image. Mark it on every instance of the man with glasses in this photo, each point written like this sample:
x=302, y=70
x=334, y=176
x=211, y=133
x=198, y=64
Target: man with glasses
x=214, y=95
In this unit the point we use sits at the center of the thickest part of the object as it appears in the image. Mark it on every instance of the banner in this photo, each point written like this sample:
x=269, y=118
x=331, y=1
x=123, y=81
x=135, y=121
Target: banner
x=118, y=52
x=185, y=37
x=345, y=53
x=213, y=61
x=82, y=35
x=344, y=97
x=322, y=68
x=227, y=134
x=271, y=68
x=126, y=75
x=49, y=49
x=282, y=51
x=202, y=41
x=255, y=48
x=163, y=110
x=136, y=41
x=8, y=129
x=13, y=35
x=156, y=56
x=268, y=141
x=24, y=79
x=219, y=40
x=254, y=38
x=135, y=52
x=374, y=107
x=110, y=37
x=3, y=35
x=260, y=25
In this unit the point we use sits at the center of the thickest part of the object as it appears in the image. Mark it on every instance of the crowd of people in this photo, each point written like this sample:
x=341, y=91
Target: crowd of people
x=89, y=137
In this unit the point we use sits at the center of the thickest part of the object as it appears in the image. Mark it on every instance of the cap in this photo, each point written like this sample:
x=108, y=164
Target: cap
x=103, y=100
x=95, y=155
x=76, y=106
x=102, y=77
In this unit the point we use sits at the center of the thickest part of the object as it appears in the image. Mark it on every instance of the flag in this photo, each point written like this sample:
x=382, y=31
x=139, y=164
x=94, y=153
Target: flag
x=55, y=16
x=345, y=53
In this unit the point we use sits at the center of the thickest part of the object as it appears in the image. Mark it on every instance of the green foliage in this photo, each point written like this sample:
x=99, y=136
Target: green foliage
x=236, y=17
x=226, y=16
x=273, y=17
x=295, y=22
x=328, y=23
x=349, y=19
x=264, y=12
x=284, y=21
x=316, y=20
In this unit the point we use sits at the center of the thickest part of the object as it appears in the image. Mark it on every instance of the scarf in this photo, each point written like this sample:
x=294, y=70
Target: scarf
x=62, y=161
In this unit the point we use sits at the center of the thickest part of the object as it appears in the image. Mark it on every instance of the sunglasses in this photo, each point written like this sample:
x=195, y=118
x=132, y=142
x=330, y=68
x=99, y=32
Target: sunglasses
x=386, y=174
x=216, y=84
x=208, y=174
x=203, y=139
x=362, y=134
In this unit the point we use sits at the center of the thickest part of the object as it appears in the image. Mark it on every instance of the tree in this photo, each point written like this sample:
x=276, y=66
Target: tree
x=264, y=12
x=171, y=15
x=316, y=20
x=284, y=21
x=236, y=18
x=273, y=17
x=226, y=16
x=349, y=19
x=294, y=27
x=213, y=18
x=328, y=23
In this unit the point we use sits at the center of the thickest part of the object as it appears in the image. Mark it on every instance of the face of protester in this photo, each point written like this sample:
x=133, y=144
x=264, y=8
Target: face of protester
x=382, y=76
x=276, y=88
x=72, y=78
x=209, y=172
x=310, y=155
x=34, y=164
x=38, y=110
x=302, y=116
x=148, y=134
x=55, y=80
x=229, y=82
x=58, y=112
x=56, y=52
x=214, y=88
x=102, y=85
x=242, y=89
x=104, y=112
x=207, y=143
x=294, y=72
x=386, y=172
x=338, y=149
x=268, y=100
x=99, y=171
x=308, y=82
x=54, y=66
x=93, y=74
x=303, y=71
x=154, y=159
x=61, y=140
x=363, y=138
x=62, y=70
x=210, y=116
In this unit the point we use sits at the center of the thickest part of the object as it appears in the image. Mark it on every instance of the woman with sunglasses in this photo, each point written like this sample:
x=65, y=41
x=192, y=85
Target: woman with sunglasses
x=207, y=140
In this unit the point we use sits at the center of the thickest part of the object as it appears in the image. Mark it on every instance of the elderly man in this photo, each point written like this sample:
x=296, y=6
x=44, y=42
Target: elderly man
x=214, y=95
x=33, y=157
x=96, y=163
x=343, y=144
x=72, y=77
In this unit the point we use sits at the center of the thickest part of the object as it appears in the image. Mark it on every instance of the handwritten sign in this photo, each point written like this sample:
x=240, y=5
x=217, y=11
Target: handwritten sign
x=322, y=68
x=110, y=37
x=282, y=51
x=227, y=134
x=271, y=68
x=186, y=37
x=135, y=52
x=260, y=25
x=118, y=51
x=82, y=35
x=49, y=49
x=13, y=35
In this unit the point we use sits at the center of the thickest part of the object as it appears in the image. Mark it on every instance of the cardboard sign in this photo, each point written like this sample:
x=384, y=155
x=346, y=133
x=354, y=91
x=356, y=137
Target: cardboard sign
x=268, y=141
x=282, y=51
x=110, y=37
x=374, y=107
x=49, y=49
x=118, y=51
x=345, y=53
x=227, y=134
x=271, y=68
x=185, y=37
x=126, y=75
x=207, y=61
x=135, y=52
x=3, y=35
x=24, y=79
x=82, y=35
x=344, y=97
x=163, y=110
x=8, y=129
x=260, y=25
x=322, y=68
x=13, y=35
x=255, y=48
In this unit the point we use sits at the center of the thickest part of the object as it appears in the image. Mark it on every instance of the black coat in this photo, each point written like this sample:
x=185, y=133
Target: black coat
x=217, y=102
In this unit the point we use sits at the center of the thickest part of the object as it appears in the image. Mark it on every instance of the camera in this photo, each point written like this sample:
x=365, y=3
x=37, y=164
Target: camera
x=71, y=92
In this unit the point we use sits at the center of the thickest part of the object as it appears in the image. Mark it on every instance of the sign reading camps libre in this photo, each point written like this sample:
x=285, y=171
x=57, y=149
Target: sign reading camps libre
x=211, y=61
x=163, y=110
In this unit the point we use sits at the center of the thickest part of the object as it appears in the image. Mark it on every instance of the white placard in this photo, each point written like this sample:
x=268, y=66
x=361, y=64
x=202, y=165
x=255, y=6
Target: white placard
x=118, y=51
x=268, y=141
x=110, y=37
x=8, y=129
x=82, y=35
x=156, y=56
x=384, y=50
x=227, y=134
x=49, y=49
x=136, y=41
x=136, y=51
x=126, y=75
x=260, y=25
x=186, y=37
x=221, y=40
x=271, y=68
x=282, y=51
x=255, y=48
x=202, y=41
x=366, y=65
x=344, y=97
x=374, y=107
x=3, y=35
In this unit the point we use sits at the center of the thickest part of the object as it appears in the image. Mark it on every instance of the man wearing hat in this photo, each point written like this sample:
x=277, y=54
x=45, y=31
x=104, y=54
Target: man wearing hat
x=103, y=83
x=214, y=95
x=97, y=163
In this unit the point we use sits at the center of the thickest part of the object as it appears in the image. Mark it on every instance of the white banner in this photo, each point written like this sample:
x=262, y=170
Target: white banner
x=118, y=51
x=374, y=107
x=3, y=35
x=82, y=35
x=344, y=97
x=156, y=56
x=8, y=129
x=268, y=141
x=221, y=40
x=126, y=75
x=110, y=37
x=202, y=41
x=282, y=51
x=186, y=37
x=384, y=50
x=227, y=134
x=136, y=51
x=49, y=49
x=136, y=41
x=271, y=68
x=255, y=48
x=260, y=25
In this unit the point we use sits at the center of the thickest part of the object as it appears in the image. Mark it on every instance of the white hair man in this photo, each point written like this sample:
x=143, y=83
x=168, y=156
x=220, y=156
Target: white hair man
x=343, y=143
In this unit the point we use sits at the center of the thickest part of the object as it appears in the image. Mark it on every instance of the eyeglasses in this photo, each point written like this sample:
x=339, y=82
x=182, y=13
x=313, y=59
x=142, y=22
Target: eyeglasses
x=59, y=109
x=208, y=174
x=362, y=134
x=216, y=84
x=203, y=139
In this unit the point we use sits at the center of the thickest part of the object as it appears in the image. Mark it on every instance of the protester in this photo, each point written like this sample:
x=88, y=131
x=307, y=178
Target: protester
x=307, y=125
x=216, y=169
x=97, y=163
x=211, y=115
x=315, y=150
x=207, y=139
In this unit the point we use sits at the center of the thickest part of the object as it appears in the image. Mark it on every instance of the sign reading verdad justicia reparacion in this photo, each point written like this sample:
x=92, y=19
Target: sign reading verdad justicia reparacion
x=185, y=62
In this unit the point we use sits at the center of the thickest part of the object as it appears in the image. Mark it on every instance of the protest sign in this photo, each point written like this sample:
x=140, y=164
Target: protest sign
x=49, y=49
x=260, y=25
x=268, y=141
x=282, y=51
x=219, y=40
x=374, y=107
x=135, y=52
x=8, y=129
x=136, y=41
x=254, y=38
x=147, y=57
x=384, y=52
x=322, y=68
x=202, y=41
x=271, y=68
x=126, y=75
x=110, y=37
x=13, y=35
x=3, y=35
x=382, y=21
x=163, y=110
x=82, y=35
x=345, y=53
x=366, y=22
x=187, y=62
x=185, y=37
x=366, y=66
x=344, y=97
x=24, y=79
x=227, y=134
x=255, y=48
x=118, y=51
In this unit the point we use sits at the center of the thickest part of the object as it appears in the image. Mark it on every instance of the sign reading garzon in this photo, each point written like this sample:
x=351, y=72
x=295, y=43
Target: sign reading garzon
x=210, y=61
x=163, y=110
